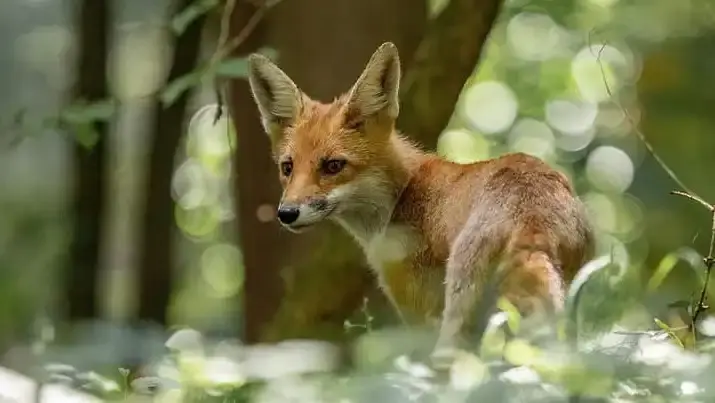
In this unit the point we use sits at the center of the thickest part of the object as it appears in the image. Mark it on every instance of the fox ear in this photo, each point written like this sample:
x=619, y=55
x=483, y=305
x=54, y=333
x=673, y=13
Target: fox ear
x=278, y=98
x=376, y=90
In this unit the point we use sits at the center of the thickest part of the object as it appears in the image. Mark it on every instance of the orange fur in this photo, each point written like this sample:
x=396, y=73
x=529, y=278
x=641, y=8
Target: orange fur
x=431, y=229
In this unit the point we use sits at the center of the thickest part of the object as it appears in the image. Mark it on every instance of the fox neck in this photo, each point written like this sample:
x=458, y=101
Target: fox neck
x=381, y=192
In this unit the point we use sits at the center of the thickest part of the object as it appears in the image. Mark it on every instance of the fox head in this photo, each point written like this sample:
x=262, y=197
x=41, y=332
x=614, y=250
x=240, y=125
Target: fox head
x=335, y=160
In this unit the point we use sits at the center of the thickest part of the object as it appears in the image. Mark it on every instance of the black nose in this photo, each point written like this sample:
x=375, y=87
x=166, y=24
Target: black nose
x=288, y=214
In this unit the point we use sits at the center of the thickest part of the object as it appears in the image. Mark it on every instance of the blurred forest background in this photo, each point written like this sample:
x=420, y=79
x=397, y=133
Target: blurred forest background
x=125, y=210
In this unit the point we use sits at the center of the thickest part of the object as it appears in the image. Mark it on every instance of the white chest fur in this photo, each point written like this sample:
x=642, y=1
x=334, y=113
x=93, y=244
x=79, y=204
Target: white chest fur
x=389, y=247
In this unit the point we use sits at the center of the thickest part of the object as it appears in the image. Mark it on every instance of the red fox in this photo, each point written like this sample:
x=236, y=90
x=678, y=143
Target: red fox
x=431, y=229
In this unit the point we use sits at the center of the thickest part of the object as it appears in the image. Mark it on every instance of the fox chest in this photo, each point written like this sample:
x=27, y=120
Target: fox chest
x=407, y=274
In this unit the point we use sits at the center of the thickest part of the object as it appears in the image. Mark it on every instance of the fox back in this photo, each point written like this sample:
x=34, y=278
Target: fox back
x=431, y=229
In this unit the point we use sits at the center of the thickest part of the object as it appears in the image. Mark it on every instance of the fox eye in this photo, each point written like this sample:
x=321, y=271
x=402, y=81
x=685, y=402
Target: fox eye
x=286, y=168
x=332, y=167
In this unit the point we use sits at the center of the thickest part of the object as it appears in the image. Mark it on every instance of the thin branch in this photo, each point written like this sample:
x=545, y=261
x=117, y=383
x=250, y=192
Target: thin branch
x=226, y=46
x=709, y=260
x=707, y=205
x=215, y=58
x=688, y=193
x=635, y=125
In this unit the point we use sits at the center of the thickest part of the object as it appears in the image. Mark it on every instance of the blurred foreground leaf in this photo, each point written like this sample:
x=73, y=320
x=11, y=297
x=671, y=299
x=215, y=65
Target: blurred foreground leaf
x=186, y=16
x=236, y=67
x=80, y=117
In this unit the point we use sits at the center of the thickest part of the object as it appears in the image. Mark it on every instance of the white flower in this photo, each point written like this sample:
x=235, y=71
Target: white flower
x=520, y=375
x=223, y=371
x=688, y=388
x=467, y=371
x=414, y=369
x=185, y=340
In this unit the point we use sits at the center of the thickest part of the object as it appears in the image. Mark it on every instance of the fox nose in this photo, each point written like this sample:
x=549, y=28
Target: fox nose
x=288, y=214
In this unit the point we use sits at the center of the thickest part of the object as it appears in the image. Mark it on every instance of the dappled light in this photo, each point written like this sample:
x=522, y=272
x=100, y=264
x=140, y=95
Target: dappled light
x=142, y=173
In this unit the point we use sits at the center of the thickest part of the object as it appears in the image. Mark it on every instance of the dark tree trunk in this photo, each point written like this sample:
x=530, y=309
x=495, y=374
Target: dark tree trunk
x=260, y=242
x=445, y=59
x=93, y=17
x=158, y=226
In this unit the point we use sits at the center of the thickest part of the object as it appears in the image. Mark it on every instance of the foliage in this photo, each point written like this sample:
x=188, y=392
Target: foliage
x=519, y=359
x=536, y=86
x=229, y=68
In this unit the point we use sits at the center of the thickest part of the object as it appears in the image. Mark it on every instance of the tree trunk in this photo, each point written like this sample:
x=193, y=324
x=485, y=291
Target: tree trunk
x=445, y=59
x=324, y=46
x=260, y=241
x=89, y=164
x=158, y=226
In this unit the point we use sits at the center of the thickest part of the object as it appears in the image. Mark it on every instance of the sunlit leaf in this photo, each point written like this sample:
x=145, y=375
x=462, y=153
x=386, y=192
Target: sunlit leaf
x=513, y=316
x=520, y=352
x=668, y=262
x=185, y=17
x=661, y=324
x=581, y=279
x=467, y=371
x=494, y=338
x=669, y=330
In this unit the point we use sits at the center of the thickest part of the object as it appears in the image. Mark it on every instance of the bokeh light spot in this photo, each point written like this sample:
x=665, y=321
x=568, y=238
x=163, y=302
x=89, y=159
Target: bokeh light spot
x=571, y=116
x=490, y=106
x=463, y=146
x=221, y=269
x=189, y=185
x=265, y=212
x=532, y=137
x=610, y=169
x=595, y=71
x=199, y=222
x=535, y=36
x=603, y=211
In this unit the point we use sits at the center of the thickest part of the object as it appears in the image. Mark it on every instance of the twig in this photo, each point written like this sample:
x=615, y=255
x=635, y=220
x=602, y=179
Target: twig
x=226, y=45
x=216, y=57
x=709, y=260
x=694, y=198
x=688, y=193
x=635, y=125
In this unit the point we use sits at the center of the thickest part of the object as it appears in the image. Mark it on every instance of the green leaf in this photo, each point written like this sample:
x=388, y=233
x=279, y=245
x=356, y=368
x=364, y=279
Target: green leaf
x=81, y=117
x=237, y=67
x=662, y=324
x=513, y=316
x=177, y=87
x=81, y=112
x=669, y=330
x=186, y=16
x=85, y=134
x=670, y=260
x=233, y=67
x=583, y=276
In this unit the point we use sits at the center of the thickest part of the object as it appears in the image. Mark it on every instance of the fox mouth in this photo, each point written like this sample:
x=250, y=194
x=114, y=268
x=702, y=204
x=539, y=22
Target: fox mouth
x=297, y=229
x=300, y=228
